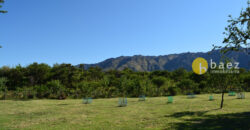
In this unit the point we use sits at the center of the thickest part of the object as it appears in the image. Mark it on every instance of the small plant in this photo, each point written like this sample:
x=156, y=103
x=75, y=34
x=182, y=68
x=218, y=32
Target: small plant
x=231, y=93
x=122, y=102
x=241, y=95
x=211, y=98
x=170, y=99
x=142, y=98
x=191, y=95
x=87, y=100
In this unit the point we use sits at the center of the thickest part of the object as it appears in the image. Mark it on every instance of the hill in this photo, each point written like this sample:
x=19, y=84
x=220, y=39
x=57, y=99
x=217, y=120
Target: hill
x=168, y=62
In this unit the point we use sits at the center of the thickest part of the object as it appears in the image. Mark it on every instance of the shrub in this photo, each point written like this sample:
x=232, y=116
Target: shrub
x=3, y=88
x=122, y=102
x=187, y=85
x=83, y=89
x=56, y=89
x=42, y=91
x=173, y=91
x=25, y=93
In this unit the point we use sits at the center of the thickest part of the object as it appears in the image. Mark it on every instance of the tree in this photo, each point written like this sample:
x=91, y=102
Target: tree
x=3, y=87
x=65, y=73
x=223, y=82
x=125, y=82
x=158, y=81
x=237, y=32
x=38, y=73
x=2, y=11
x=56, y=89
x=237, y=35
x=144, y=85
x=179, y=74
x=188, y=85
x=16, y=77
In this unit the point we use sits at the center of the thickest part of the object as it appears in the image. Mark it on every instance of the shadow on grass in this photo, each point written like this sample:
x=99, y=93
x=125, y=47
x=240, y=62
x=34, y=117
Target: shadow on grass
x=189, y=113
x=234, y=121
x=62, y=104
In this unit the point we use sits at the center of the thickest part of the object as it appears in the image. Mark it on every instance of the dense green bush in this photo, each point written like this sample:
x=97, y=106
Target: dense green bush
x=42, y=91
x=56, y=89
x=64, y=80
x=25, y=93
x=3, y=88
x=188, y=86
x=174, y=91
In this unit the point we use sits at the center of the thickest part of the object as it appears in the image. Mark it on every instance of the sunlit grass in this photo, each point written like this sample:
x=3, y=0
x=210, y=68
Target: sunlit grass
x=154, y=113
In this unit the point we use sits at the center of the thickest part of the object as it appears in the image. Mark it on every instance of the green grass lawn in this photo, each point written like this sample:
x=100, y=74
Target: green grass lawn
x=154, y=113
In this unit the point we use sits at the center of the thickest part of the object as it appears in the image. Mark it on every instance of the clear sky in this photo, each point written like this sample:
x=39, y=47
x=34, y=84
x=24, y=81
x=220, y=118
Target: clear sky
x=90, y=31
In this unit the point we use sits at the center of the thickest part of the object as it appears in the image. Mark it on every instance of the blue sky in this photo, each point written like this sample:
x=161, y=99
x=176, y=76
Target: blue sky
x=89, y=31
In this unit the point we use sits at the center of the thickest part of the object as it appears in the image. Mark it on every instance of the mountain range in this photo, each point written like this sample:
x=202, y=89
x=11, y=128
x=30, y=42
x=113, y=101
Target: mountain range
x=169, y=62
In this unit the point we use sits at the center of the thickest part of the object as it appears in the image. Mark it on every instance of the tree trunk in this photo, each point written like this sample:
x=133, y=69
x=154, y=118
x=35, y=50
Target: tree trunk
x=222, y=100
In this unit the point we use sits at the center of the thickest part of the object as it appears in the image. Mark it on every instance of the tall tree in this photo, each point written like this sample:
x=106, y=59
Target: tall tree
x=2, y=11
x=158, y=81
x=223, y=83
x=237, y=33
x=3, y=87
x=38, y=73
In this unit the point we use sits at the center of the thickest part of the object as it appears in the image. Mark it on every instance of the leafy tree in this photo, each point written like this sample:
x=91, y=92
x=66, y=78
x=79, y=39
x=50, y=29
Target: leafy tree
x=84, y=89
x=64, y=80
x=144, y=86
x=95, y=73
x=174, y=90
x=158, y=81
x=57, y=90
x=65, y=73
x=179, y=74
x=42, y=91
x=16, y=77
x=245, y=82
x=237, y=32
x=223, y=82
x=188, y=86
x=94, y=88
x=160, y=73
x=38, y=73
x=108, y=89
x=2, y=11
x=237, y=35
x=3, y=87
x=124, y=85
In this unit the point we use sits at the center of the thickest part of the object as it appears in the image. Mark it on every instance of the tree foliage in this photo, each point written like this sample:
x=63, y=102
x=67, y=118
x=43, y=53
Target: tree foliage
x=2, y=11
x=64, y=80
x=237, y=33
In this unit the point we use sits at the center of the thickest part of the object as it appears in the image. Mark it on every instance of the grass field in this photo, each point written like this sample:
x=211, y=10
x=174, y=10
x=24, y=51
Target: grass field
x=154, y=113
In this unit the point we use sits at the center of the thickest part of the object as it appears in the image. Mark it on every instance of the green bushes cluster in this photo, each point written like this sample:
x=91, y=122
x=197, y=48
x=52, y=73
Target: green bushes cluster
x=66, y=81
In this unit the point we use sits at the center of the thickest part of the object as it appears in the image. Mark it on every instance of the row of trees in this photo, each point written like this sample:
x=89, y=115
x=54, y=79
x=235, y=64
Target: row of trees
x=65, y=80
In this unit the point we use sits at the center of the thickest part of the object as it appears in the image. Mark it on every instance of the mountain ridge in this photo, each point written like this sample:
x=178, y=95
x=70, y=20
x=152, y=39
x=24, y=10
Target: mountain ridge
x=168, y=62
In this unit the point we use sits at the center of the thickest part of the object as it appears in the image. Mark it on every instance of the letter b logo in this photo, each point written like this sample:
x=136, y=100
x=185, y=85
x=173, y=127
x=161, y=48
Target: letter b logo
x=200, y=66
